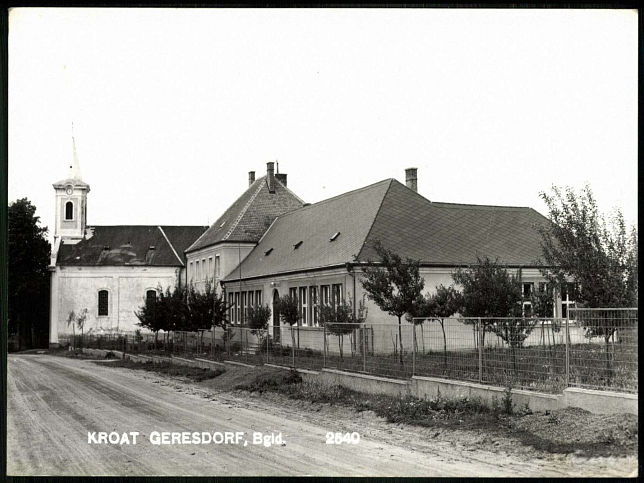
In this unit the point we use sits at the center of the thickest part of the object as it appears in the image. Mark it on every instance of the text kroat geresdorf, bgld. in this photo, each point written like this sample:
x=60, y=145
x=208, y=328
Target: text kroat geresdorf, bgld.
x=159, y=438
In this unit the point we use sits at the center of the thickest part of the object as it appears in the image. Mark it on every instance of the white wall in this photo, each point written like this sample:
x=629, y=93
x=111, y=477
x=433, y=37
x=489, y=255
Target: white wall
x=76, y=288
x=229, y=256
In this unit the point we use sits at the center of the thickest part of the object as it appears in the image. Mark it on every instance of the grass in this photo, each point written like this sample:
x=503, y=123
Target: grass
x=192, y=373
x=569, y=430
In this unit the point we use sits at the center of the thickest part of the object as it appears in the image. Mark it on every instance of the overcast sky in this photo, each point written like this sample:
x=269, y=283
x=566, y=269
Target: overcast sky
x=172, y=108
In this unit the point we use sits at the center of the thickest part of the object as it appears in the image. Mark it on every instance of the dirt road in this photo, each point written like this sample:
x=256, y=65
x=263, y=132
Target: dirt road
x=53, y=403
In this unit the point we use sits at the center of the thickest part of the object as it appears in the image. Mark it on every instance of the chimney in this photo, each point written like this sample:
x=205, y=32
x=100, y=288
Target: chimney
x=270, y=176
x=251, y=177
x=411, y=179
x=281, y=177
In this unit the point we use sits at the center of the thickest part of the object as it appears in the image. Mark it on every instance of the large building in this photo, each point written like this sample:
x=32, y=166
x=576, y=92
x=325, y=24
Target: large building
x=269, y=243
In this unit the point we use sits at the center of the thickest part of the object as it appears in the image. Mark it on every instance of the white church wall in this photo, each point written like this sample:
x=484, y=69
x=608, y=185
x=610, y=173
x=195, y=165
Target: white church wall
x=77, y=288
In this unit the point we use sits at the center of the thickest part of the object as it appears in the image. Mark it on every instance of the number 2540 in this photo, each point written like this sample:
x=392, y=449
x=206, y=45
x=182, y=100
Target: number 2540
x=342, y=438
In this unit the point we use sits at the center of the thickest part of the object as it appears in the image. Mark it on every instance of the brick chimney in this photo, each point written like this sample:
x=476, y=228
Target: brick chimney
x=270, y=176
x=281, y=177
x=411, y=179
x=251, y=177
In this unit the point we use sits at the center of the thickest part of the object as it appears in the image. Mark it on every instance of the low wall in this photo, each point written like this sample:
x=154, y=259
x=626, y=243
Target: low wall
x=365, y=382
x=601, y=402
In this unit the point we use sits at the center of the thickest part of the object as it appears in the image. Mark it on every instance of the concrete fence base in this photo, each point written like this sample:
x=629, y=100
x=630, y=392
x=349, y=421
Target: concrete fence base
x=597, y=402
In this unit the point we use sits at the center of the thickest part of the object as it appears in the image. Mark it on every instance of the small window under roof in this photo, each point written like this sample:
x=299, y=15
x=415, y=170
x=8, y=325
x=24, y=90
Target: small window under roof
x=297, y=245
x=335, y=235
x=268, y=252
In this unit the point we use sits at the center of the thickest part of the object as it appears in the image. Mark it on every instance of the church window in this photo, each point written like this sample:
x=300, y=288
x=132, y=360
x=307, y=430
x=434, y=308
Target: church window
x=151, y=296
x=69, y=210
x=103, y=302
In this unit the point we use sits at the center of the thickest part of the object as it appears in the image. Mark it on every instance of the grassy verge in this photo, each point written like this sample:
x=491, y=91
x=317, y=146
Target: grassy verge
x=569, y=430
x=192, y=373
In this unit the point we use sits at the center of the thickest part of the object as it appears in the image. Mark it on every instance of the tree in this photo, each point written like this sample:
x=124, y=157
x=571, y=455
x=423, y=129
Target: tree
x=150, y=317
x=578, y=243
x=289, y=311
x=200, y=308
x=444, y=303
x=28, y=277
x=599, y=255
x=339, y=320
x=257, y=321
x=493, y=294
x=394, y=284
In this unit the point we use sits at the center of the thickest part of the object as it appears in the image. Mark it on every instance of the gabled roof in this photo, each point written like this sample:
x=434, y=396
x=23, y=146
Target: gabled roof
x=404, y=221
x=123, y=245
x=250, y=215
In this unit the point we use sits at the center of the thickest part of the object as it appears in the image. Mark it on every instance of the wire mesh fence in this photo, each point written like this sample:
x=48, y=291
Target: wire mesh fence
x=592, y=349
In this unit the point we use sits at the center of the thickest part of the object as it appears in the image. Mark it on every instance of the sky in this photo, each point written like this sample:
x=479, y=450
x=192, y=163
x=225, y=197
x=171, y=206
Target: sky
x=172, y=107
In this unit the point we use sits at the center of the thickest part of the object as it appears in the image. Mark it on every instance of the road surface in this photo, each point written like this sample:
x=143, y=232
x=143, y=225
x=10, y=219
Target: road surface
x=53, y=402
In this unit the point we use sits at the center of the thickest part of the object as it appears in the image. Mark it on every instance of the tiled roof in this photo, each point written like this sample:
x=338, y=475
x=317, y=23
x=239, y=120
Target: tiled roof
x=250, y=215
x=130, y=245
x=404, y=221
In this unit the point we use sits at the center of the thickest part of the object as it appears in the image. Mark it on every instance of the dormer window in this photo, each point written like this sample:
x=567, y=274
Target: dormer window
x=297, y=245
x=69, y=210
x=335, y=235
x=268, y=252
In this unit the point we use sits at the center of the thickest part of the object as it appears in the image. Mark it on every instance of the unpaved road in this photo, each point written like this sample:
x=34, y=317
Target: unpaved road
x=53, y=403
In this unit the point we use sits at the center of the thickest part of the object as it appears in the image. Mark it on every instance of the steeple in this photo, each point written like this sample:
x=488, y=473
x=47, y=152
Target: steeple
x=74, y=168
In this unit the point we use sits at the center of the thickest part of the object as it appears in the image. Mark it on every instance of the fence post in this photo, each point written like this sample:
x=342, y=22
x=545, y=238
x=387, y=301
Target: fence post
x=567, y=346
x=364, y=348
x=267, y=346
x=323, y=346
x=478, y=334
x=292, y=347
x=413, y=351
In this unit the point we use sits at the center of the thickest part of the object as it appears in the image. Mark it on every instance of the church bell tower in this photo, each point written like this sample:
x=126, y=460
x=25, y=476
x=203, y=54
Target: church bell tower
x=71, y=206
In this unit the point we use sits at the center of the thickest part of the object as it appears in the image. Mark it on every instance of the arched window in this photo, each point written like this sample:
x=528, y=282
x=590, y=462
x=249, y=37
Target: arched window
x=69, y=210
x=103, y=302
x=150, y=296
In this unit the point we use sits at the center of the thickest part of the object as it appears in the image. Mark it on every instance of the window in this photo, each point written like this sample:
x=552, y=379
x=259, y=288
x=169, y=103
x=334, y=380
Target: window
x=313, y=296
x=192, y=272
x=237, y=308
x=527, y=289
x=244, y=307
x=258, y=297
x=103, y=302
x=302, y=302
x=293, y=292
x=217, y=266
x=567, y=297
x=231, y=307
x=324, y=294
x=69, y=210
x=336, y=294
x=197, y=273
x=150, y=296
x=251, y=299
x=335, y=235
x=210, y=267
x=204, y=273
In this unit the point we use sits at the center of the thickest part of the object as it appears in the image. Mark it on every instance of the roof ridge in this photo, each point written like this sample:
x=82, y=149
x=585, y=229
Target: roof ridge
x=290, y=191
x=243, y=211
x=382, y=201
x=473, y=205
x=146, y=226
x=171, y=246
x=317, y=203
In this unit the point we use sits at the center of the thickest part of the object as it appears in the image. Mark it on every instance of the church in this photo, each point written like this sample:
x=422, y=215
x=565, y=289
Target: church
x=269, y=243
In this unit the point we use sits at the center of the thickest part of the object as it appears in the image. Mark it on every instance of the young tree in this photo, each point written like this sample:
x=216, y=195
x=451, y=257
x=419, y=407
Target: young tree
x=444, y=303
x=257, y=321
x=200, y=308
x=289, y=311
x=150, y=315
x=340, y=320
x=600, y=256
x=393, y=284
x=81, y=318
x=71, y=320
x=28, y=253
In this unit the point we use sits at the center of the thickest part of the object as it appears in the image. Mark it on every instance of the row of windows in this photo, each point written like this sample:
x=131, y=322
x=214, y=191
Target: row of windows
x=242, y=300
x=309, y=301
x=200, y=271
x=104, y=301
